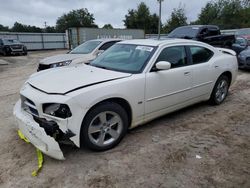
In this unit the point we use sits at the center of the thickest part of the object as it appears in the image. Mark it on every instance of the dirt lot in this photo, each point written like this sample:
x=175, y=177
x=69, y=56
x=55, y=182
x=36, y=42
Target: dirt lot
x=159, y=154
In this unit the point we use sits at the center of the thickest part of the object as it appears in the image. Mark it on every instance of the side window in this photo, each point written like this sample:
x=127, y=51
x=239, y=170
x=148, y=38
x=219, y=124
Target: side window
x=200, y=54
x=213, y=32
x=107, y=45
x=204, y=32
x=174, y=55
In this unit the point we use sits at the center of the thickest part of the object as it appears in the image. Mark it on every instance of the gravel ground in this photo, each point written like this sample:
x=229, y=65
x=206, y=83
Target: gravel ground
x=162, y=153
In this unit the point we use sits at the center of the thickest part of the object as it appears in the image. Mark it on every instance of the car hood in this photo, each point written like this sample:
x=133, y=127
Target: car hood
x=67, y=79
x=63, y=57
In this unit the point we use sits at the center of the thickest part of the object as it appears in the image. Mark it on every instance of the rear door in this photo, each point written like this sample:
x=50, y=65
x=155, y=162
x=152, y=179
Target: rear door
x=202, y=69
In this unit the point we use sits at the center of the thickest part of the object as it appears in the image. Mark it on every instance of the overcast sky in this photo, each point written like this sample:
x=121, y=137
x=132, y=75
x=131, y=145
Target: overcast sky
x=36, y=12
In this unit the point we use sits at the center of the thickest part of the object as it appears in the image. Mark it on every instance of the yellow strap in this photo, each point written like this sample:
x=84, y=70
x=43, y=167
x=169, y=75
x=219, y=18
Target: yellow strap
x=20, y=134
x=38, y=153
x=40, y=162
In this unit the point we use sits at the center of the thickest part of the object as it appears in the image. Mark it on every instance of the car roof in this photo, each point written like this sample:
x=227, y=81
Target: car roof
x=200, y=26
x=153, y=42
x=106, y=39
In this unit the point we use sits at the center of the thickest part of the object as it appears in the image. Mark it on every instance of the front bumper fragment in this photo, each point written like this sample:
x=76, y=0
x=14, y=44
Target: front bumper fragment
x=36, y=134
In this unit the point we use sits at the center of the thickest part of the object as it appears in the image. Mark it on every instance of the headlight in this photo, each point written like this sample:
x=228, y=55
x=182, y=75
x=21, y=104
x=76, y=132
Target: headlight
x=60, y=64
x=57, y=110
x=242, y=56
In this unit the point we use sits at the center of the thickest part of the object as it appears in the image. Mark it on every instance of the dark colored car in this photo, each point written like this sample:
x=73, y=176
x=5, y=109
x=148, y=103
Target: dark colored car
x=12, y=46
x=240, y=45
x=242, y=48
x=205, y=33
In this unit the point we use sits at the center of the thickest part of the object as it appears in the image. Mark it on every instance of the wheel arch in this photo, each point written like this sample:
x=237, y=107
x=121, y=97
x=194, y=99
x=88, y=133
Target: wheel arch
x=229, y=75
x=121, y=101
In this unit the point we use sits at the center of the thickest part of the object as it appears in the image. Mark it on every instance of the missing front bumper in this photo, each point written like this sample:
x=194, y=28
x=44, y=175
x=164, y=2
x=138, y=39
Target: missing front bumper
x=36, y=134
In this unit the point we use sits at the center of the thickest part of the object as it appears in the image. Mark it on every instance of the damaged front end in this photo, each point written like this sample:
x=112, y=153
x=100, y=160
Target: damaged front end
x=44, y=124
x=37, y=134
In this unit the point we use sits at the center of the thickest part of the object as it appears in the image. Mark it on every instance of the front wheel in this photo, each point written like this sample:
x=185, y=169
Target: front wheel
x=104, y=126
x=220, y=90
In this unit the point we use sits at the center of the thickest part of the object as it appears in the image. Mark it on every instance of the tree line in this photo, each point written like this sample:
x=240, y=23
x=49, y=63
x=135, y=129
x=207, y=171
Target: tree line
x=227, y=14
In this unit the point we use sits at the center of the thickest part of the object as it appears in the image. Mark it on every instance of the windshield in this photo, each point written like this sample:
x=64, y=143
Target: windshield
x=241, y=41
x=10, y=41
x=86, y=47
x=243, y=32
x=189, y=32
x=128, y=58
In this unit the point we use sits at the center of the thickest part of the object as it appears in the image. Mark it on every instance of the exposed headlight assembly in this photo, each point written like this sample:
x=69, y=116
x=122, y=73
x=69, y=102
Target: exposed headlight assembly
x=57, y=110
x=60, y=64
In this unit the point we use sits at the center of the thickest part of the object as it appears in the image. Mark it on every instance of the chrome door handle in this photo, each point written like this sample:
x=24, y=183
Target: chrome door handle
x=186, y=73
x=216, y=66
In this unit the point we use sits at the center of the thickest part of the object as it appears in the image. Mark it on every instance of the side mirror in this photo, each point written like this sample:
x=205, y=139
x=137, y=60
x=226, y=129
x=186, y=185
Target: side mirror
x=163, y=65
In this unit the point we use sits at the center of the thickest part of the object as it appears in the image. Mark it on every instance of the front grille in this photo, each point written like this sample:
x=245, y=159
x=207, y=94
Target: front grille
x=43, y=67
x=29, y=106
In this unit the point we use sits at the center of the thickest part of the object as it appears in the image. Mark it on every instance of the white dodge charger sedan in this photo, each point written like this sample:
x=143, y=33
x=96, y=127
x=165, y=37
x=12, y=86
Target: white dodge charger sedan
x=130, y=84
x=83, y=53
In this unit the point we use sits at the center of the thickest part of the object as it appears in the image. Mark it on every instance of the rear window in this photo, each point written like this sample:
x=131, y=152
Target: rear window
x=200, y=54
x=184, y=32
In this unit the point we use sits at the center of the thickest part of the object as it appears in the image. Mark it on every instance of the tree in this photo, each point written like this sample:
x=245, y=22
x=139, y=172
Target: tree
x=154, y=23
x=75, y=18
x=50, y=29
x=130, y=20
x=177, y=19
x=141, y=18
x=18, y=27
x=4, y=28
x=107, y=26
x=228, y=14
x=209, y=14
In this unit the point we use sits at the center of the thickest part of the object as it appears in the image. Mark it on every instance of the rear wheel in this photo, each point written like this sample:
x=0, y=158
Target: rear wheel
x=104, y=126
x=220, y=90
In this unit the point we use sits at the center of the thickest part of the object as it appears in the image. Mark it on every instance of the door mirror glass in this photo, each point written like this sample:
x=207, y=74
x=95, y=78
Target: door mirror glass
x=163, y=65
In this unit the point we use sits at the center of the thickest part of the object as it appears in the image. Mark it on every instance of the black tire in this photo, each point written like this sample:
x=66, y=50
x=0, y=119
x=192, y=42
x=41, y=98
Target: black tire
x=25, y=51
x=110, y=109
x=4, y=52
x=214, y=98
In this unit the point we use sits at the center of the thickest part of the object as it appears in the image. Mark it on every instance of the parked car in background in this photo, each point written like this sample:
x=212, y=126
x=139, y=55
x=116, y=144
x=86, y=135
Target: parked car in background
x=243, y=33
x=240, y=44
x=205, y=33
x=130, y=84
x=243, y=50
x=12, y=47
x=83, y=53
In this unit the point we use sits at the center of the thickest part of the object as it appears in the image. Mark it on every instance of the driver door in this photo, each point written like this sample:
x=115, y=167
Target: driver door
x=166, y=89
